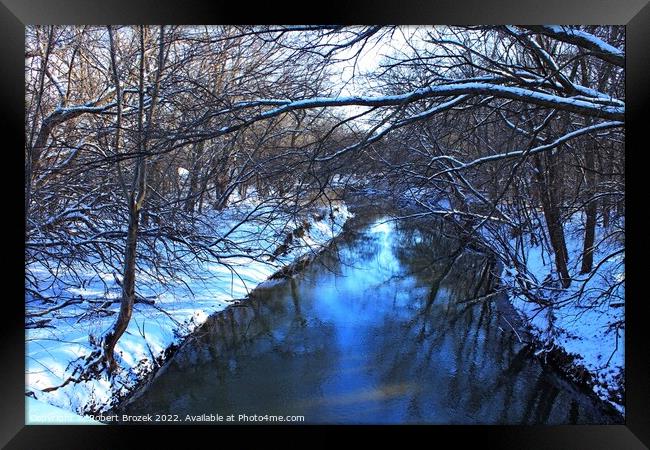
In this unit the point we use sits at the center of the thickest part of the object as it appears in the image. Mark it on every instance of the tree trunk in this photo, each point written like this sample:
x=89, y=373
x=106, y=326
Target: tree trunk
x=590, y=212
x=128, y=291
x=221, y=197
x=136, y=202
x=591, y=208
x=546, y=181
x=190, y=199
x=34, y=149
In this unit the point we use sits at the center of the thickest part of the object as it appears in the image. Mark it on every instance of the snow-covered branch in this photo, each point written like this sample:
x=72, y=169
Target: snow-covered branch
x=583, y=107
x=519, y=153
x=600, y=48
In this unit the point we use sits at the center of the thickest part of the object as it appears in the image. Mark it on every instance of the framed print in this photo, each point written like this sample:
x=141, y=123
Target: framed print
x=348, y=221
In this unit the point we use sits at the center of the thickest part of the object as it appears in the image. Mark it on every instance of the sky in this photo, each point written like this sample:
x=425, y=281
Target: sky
x=346, y=73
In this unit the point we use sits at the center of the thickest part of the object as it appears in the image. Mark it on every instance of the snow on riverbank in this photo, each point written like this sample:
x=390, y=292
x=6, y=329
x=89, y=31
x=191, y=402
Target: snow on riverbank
x=590, y=328
x=41, y=413
x=586, y=328
x=52, y=351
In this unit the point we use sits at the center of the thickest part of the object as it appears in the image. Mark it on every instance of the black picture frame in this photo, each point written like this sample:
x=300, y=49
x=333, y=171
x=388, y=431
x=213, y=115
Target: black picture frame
x=635, y=14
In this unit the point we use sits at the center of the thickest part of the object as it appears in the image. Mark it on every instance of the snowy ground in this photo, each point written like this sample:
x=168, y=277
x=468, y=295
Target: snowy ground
x=580, y=328
x=51, y=352
x=583, y=328
x=41, y=413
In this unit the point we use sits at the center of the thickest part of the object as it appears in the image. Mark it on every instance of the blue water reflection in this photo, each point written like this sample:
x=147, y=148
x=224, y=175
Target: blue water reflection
x=379, y=329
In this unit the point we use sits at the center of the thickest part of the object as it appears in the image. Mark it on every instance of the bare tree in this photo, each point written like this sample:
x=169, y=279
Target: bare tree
x=138, y=139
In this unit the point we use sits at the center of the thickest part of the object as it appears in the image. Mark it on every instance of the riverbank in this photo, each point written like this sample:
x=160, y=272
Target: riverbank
x=158, y=327
x=582, y=331
x=583, y=340
x=377, y=329
x=158, y=330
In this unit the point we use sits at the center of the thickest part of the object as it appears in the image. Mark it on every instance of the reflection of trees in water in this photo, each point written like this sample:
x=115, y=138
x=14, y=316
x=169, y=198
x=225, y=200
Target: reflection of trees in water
x=232, y=362
x=355, y=245
x=343, y=255
x=540, y=401
x=481, y=374
x=443, y=345
x=427, y=252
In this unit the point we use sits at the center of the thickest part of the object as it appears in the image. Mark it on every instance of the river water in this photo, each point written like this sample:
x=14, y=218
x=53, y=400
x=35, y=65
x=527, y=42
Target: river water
x=387, y=326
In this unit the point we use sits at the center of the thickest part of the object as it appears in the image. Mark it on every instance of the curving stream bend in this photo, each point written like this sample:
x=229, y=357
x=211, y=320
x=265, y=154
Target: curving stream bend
x=380, y=328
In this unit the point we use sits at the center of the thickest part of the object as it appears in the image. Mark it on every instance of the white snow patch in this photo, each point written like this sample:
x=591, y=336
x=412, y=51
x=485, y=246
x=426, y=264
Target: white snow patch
x=40, y=413
x=581, y=328
x=50, y=352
